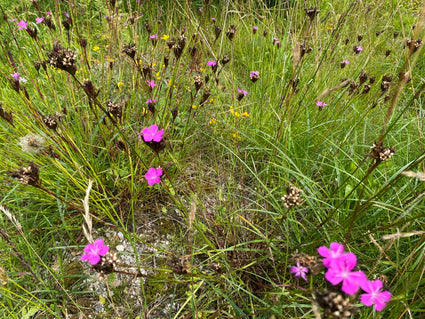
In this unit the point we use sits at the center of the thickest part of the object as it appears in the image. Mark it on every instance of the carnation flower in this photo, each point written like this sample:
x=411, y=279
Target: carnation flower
x=299, y=271
x=151, y=133
x=374, y=295
x=94, y=251
x=153, y=176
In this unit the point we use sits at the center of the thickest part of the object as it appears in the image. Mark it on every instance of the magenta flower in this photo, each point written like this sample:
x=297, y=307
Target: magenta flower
x=299, y=271
x=332, y=254
x=149, y=101
x=343, y=63
x=94, y=251
x=153, y=176
x=48, y=12
x=374, y=294
x=358, y=49
x=39, y=20
x=12, y=20
x=212, y=63
x=16, y=76
x=152, y=134
x=254, y=74
x=242, y=92
x=341, y=271
x=255, y=28
x=151, y=83
x=153, y=36
x=320, y=104
x=213, y=19
x=22, y=24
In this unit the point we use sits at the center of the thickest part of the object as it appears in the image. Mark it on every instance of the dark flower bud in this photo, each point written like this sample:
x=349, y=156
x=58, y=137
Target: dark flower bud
x=174, y=112
x=166, y=59
x=217, y=31
x=347, y=41
x=265, y=32
x=205, y=96
x=372, y=79
x=148, y=28
x=366, y=88
x=387, y=53
x=66, y=25
x=89, y=88
x=48, y=21
x=207, y=78
x=83, y=43
x=395, y=34
x=231, y=32
x=360, y=37
x=147, y=71
x=363, y=77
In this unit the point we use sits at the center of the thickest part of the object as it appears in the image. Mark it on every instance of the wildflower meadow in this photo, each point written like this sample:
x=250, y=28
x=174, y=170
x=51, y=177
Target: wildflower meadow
x=212, y=159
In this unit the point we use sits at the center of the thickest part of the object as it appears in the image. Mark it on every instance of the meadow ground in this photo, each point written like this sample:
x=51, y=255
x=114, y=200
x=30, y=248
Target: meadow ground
x=212, y=159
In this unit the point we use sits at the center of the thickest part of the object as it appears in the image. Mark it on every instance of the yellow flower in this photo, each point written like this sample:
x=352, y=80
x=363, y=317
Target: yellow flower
x=111, y=60
x=213, y=121
x=236, y=135
x=96, y=48
x=237, y=114
x=165, y=37
x=245, y=114
x=194, y=106
x=120, y=84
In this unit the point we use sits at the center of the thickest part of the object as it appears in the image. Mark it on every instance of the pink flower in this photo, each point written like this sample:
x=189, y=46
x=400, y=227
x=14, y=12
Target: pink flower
x=321, y=103
x=255, y=28
x=213, y=19
x=358, y=49
x=242, y=92
x=149, y=101
x=341, y=271
x=151, y=83
x=94, y=251
x=12, y=20
x=16, y=76
x=48, y=12
x=332, y=254
x=22, y=25
x=152, y=134
x=254, y=74
x=153, y=176
x=374, y=294
x=212, y=63
x=39, y=20
x=153, y=36
x=299, y=271
x=343, y=63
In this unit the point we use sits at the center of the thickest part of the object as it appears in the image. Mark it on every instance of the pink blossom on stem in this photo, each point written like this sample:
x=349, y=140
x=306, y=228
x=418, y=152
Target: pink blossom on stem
x=212, y=63
x=332, y=254
x=341, y=271
x=22, y=25
x=374, y=295
x=151, y=83
x=39, y=20
x=16, y=76
x=299, y=271
x=94, y=251
x=152, y=133
x=153, y=176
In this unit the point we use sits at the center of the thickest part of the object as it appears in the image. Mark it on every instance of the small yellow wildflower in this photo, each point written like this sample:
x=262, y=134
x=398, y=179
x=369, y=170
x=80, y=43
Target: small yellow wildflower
x=194, y=106
x=202, y=70
x=236, y=136
x=111, y=60
x=96, y=48
x=120, y=84
x=213, y=121
x=154, y=64
x=245, y=114
x=165, y=37
x=237, y=114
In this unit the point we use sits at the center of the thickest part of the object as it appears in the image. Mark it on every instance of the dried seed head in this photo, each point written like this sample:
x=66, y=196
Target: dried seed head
x=171, y=42
x=353, y=87
x=48, y=21
x=312, y=12
x=107, y=265
x=166, y=60
x=198, y=82
x=225, y=59
x=372, y=79
x=63, y=59
x=292, y=197
x=7, y=116
x=387, y=53
x=335, y=304
x=50, y=122
x=381, y=153
x=114, y=109
x=32, y=143
x=366, y=88
x=28, y=175
x=130, y=50
x=148, y=28
x=83, y=43
x=147, y=71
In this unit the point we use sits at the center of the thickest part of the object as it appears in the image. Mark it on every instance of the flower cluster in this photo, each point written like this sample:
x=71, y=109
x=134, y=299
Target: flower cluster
x=340, y=267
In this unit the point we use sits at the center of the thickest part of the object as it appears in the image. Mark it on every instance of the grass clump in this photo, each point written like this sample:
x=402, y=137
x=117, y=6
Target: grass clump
x=212, y=160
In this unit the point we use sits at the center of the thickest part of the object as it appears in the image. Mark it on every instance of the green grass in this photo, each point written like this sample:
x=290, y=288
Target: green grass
x=214, y=238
